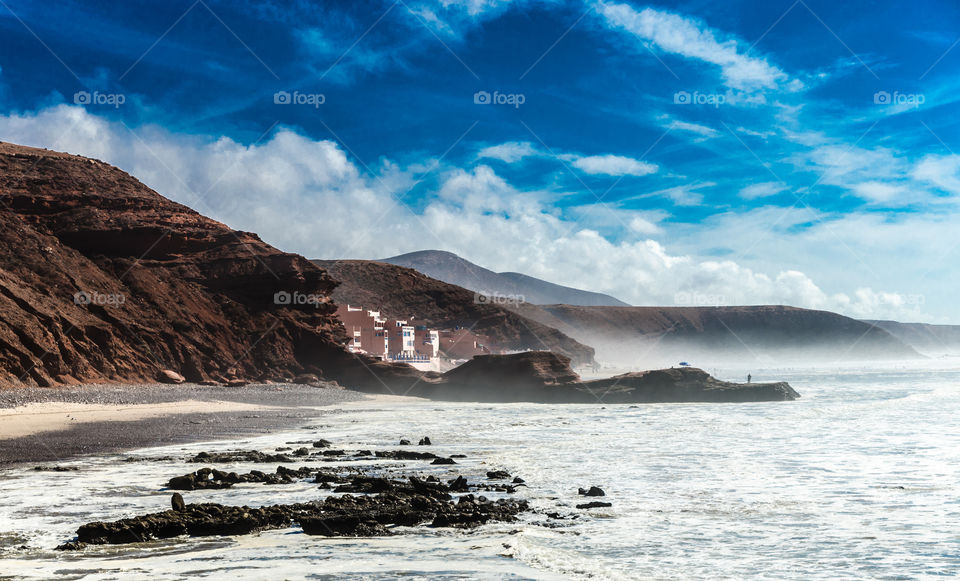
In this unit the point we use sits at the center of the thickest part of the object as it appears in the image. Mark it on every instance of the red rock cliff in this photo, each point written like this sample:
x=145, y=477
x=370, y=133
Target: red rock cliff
x=163, y=287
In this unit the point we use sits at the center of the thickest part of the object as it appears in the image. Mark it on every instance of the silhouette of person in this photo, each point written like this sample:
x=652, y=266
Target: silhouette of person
x=749, y=378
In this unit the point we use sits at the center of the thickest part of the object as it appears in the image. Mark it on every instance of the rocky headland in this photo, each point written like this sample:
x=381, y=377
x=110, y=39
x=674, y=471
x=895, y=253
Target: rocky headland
x=542, y=376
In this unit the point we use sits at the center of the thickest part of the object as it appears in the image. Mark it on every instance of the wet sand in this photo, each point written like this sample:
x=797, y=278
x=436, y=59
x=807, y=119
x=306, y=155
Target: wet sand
x=50, y=425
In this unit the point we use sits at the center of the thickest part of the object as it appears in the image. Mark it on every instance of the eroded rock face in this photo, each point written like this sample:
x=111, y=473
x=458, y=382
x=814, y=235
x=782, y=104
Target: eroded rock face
x=104, y=280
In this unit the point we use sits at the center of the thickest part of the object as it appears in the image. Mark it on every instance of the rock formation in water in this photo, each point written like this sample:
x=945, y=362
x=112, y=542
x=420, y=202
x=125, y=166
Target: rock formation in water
x=540, y=376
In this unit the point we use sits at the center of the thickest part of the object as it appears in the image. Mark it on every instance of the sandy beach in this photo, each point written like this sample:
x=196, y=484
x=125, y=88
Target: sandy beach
x=36, y=418
x=51, y=425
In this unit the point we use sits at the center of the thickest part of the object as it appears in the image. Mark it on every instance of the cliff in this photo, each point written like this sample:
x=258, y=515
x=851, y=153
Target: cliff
x=104, y=280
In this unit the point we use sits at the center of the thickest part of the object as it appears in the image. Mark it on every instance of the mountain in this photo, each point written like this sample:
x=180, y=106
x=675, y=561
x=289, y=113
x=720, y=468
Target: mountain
x=644, y=337
x=404, y=293
x=452, y=269
x=104, y=280
x=925, y=338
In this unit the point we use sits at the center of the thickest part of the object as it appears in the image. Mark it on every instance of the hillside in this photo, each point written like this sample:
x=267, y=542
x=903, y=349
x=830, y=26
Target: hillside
x=925, y=338
x=644, y=337
x=104, y=280
x=452, y=269
x=404, y=292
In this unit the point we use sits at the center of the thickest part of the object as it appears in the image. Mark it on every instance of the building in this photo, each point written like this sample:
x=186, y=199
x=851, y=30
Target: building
x=390, y=339
x=367, y=331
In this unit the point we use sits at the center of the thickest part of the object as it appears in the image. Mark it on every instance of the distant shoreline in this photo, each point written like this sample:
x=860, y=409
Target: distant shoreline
x=51, y=425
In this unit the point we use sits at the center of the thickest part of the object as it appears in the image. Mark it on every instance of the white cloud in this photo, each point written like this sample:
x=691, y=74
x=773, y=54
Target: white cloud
x=675, y=34
x=881, y=192
x=762, y=190
x=613, y=165
x=510, y=152
x=307, y=196
x=943, y=171
x=759, y=134
x=701, y=130
x=644, y=227
x=685, y=195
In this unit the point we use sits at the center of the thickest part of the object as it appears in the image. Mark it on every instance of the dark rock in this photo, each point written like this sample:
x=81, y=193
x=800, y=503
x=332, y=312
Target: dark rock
x=321, y=443
x=307, y=379
x=498, y=475
x=367, y=484
x=425, y=441
x=342, y=525
x=404, y=442
x=404, y=455
x=195, y=520
x=71, y=546
x=300, y=452
x=394, y=503
x=177, y=502
x=203, y=479
x=518, y=480
x=594, y=505
x=239, y=456
x=458, y=485
x=328, y=477
x=444, y=461
x=592, y=491
x=208, y=478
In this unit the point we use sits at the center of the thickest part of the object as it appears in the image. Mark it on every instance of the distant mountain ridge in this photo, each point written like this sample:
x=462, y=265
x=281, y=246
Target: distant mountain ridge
x=453, y=269
x=768, y=334
x=926, y=338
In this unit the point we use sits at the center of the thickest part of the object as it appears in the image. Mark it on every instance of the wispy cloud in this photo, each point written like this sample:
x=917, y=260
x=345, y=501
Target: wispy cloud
x=608, y=164
x=762, y=190
x=690, y=38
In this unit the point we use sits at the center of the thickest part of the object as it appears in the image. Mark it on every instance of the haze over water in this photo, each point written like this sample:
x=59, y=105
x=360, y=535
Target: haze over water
x=860, y=478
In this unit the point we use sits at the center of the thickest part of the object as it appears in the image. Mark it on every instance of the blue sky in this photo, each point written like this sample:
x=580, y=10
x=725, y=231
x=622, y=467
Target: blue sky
x=797, y=152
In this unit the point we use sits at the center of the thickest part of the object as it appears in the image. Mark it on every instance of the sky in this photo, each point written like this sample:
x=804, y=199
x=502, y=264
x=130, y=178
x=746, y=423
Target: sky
x=690, y=153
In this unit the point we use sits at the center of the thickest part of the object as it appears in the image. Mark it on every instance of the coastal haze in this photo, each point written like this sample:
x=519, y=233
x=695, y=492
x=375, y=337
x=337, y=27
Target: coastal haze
x=513, y=289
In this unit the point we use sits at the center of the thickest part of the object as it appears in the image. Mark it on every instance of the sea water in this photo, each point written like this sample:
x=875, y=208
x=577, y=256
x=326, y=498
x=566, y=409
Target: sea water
x=859, y=479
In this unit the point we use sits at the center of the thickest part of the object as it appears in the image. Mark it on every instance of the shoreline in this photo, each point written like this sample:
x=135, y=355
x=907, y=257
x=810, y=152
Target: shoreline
x=51, y=425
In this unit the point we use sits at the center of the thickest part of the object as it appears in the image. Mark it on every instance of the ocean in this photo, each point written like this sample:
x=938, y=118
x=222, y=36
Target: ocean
x=859, y=479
